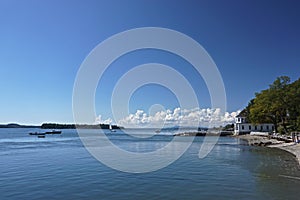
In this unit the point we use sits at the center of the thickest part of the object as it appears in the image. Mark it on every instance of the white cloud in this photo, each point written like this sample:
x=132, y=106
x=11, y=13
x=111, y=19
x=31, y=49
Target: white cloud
x=184, y=117
x=99, y=120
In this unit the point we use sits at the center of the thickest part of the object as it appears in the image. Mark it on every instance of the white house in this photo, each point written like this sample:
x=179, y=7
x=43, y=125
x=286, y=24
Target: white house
x=241, y=126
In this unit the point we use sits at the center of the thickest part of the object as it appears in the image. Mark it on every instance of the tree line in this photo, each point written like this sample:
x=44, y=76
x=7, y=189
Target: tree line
x=279, y=104
x=80, y=126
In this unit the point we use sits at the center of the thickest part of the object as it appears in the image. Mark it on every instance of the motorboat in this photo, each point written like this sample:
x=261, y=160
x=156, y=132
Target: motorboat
x=53, y=132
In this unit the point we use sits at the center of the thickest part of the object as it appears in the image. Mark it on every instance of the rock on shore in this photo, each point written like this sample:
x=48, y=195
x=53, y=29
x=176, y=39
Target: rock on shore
x=254, y=140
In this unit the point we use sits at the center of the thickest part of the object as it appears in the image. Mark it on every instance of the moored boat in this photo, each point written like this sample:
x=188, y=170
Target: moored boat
x=44, y=133
x=36, y=133
x=53, y=132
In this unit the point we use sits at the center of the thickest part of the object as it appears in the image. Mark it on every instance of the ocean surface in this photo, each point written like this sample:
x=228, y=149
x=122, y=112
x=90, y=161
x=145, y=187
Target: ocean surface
x=59, y=167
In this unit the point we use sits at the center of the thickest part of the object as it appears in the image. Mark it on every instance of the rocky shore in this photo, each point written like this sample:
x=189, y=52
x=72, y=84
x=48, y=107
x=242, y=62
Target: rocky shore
x=283, y=143
x=279, y=143
x=254, y=140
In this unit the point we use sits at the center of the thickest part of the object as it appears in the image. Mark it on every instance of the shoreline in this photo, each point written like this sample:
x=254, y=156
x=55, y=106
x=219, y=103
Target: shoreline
x=256, y=140
x=289, y=147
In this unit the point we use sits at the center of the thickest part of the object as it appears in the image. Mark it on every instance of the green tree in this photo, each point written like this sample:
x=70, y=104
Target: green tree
x=246, y=111
x=293, y=101
x=280, y=100
x=262, y=110
x=279, y=104
x=272, y=105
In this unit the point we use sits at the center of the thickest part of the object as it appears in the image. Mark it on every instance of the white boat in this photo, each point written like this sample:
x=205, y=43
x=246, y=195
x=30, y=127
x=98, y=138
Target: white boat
x=111, y=129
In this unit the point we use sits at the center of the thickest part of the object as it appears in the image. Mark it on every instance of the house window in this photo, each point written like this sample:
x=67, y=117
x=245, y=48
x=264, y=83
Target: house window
x=261, y=128
x=272, y=128
x=249, y=127
x=255, y=127
x=267, y=127
x=236, y=127
x=242, y=127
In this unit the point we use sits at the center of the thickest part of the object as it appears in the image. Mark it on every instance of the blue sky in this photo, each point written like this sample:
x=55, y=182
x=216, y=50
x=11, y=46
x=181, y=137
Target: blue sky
x=43, y=43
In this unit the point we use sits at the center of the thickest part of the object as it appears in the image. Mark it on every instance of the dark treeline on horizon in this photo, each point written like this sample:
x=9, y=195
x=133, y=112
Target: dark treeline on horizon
x=61, y=126
x=74, y=126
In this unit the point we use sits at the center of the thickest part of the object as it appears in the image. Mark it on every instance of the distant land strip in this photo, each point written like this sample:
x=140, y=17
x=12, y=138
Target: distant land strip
x=18, y=126
x=62, y=126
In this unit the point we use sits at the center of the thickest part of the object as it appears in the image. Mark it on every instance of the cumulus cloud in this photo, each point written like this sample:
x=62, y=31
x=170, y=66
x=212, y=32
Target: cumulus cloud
x=183, y=117
x=99, y=120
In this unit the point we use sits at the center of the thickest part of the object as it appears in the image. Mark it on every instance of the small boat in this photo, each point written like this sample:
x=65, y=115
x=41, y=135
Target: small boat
x=44, y=133
x=53, y=132
x=111, y=129
x=36, y=133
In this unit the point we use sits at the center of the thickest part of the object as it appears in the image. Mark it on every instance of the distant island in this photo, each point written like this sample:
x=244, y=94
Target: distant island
x=13, y=125
x=61, y=126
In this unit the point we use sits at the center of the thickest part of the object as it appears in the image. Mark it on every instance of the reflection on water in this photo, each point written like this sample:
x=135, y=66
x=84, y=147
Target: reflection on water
x=59, y=167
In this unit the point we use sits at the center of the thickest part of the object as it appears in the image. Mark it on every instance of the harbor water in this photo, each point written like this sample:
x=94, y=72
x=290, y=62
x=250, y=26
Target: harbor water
x=59, y=167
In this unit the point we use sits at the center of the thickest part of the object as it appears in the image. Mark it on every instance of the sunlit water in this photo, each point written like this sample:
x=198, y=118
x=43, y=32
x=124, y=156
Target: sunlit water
x=59, y=167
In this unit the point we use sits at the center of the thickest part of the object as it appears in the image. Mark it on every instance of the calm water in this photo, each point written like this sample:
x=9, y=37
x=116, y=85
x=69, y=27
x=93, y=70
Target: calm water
x=59, y=167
